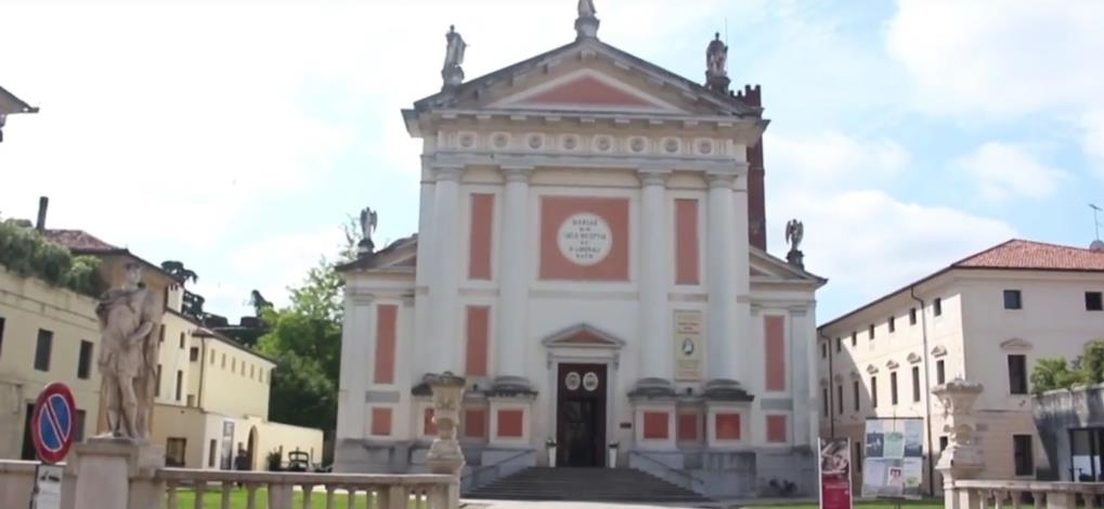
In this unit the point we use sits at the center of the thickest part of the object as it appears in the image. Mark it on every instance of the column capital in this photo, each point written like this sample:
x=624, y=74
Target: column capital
x=516, y=173
x=448, y=172
x=653, y=176
x=725, y=180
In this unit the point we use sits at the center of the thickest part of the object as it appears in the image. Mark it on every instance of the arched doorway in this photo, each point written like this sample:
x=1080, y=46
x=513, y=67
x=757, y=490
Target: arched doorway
x=252, y=449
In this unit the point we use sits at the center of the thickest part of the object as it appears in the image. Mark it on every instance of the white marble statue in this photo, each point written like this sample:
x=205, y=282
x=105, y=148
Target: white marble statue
x=716, y=56
x=454, y=54
x=128, y=316
x=795, y=232
x=586, y=9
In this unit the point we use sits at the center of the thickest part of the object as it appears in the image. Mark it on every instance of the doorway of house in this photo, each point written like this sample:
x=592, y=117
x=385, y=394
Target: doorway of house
x=581, y=415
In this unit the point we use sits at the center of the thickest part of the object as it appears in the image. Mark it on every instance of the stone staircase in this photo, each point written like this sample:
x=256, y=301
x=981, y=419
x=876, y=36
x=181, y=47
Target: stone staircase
x=586, y=484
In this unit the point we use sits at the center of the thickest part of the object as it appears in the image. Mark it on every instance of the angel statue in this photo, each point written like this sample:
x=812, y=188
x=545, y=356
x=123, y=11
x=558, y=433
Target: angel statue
x=586, y=9
x=795, y=232
x=128, y=315
x=368, y=220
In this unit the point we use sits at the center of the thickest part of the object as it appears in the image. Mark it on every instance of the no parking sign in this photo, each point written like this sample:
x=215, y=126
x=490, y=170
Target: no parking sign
x=53, y=423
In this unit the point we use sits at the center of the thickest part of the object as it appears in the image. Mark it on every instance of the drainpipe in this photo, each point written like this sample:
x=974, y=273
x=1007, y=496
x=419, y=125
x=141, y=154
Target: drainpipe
x=831, y=393
x=927, y=386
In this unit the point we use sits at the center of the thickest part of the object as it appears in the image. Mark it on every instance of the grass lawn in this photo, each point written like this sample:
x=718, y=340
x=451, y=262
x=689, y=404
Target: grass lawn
x=212, y=499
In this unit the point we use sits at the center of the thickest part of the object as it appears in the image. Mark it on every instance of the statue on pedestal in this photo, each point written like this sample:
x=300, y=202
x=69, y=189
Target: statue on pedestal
x=586, y=9
x=128, y=316
x=586, y=25
x=452, y=73
x=795, y=233
x=368, y=220
x=716, y=60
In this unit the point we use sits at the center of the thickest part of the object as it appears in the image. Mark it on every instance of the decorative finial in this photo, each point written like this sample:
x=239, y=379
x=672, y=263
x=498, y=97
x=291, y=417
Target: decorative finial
x=716, y=58
x=795, y=233
x=586, y=25
x=452, y=73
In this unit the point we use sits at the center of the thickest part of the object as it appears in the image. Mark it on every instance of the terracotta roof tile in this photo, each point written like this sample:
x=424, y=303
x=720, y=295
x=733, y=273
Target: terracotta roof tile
x=79, y=240
x=1029, y=255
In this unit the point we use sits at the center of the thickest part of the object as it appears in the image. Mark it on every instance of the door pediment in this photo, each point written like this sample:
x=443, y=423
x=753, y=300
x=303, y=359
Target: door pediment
x=584, y=336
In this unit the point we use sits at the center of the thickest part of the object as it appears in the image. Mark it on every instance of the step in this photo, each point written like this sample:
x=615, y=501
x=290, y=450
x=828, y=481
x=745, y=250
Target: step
x=585, y=484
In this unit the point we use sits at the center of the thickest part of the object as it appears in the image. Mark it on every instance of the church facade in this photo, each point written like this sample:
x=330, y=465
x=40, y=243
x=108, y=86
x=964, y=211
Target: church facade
x=591, y=258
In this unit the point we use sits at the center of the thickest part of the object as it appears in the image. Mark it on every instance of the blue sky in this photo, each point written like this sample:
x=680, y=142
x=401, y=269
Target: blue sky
x=237, y=136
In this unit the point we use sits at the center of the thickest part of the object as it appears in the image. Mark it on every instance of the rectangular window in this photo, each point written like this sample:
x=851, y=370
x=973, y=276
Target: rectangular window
x=1017, y=374
x=191, y=400
x=870, y=331
x=855, y=393
x=893, y=388
x=839, y=344
x=223, y=361
x=78, y=427
x=1, y=336
x=943, y=441
x=179, y=383
x=892, y=324
x=873, y=392
x=42, y=350
x=1022, y=454
x=84, y=360
x=839, y=399
x=212, y=453
x=181, y=340
x=193, y=354
x=157, y=388
x=915, y=383
x=824, y=401
x=161, y=334
x=854, y=338
x=858, y=456
x=1094, y=301
x=824, y=350
x=940, y=372
x=912, y=316
x=1013, y=299
x=174, y=451
x=937, y=307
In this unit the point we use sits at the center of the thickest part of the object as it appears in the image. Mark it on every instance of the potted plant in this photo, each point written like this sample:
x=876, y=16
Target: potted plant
x=613, y=446
x=550, y=446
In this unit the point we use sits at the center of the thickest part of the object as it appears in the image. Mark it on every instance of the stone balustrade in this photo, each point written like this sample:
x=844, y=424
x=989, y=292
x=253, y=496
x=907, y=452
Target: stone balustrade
x=318, y=490
x=16, y=482
x=983, y=494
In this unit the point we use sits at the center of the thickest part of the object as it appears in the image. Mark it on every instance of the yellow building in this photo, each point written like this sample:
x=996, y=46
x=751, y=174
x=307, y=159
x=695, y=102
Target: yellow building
x=212, y=393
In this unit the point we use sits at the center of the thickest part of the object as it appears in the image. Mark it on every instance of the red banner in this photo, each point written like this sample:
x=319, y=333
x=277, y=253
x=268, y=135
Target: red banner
x=835, y=473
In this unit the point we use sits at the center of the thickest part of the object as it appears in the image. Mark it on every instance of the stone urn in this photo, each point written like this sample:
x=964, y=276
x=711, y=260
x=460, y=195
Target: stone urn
x=445, y=455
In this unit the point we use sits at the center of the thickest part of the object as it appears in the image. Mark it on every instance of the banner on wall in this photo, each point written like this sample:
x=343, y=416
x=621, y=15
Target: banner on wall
x=894, y=462
x=688, y=345
x=835, y=473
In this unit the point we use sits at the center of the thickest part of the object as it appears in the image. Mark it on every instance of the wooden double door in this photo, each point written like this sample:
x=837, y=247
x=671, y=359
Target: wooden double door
x=581, y=415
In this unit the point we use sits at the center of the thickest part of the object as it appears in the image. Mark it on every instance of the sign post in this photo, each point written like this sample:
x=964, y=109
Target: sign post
x=835, y=474
x=893, y=467
x=53, y=425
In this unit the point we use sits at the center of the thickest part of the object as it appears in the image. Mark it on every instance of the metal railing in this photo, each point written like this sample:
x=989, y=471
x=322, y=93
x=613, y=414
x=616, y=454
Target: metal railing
x=484, y=475
x=685, y=479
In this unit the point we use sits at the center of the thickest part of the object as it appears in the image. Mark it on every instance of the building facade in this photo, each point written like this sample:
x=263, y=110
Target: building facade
x=590, y=256
x=211, y=393
x=987, y=318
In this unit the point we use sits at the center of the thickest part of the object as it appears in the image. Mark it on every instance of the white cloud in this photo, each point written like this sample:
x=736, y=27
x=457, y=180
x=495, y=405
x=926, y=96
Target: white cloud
x=867, y=241
x=1003, y=170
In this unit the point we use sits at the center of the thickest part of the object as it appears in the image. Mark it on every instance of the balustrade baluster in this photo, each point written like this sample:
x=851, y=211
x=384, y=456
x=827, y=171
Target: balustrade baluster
x=438, y=497
x=330, y=496
x=1090, y=499
x=200, y=489
x=172, y=502
x=227, y=487
x=308, y=490
x=250, y=496
x=1037, y=497
x=998, y=499
x=1017, y=499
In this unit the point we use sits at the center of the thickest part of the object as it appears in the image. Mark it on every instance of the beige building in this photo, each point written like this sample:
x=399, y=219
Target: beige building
x=212, y=393
x=987, y=318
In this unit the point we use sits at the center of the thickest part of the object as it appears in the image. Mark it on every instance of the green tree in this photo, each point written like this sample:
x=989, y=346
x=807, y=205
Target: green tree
x=1057, y=373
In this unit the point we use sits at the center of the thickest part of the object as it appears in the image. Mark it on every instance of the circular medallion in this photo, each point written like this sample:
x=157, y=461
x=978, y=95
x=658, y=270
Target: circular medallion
x=705, y=147
x=585, y=238
x=603, y=143
x=536, y=141
x=501, y=140
x=572, y=381
x=467, y=140
x=687, y=347
x=570, y=142
x=636, y=144
x=671, y=145
x=590, y=382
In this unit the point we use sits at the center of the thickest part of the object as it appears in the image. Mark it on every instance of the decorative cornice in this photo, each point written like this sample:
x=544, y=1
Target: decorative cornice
x=892, y=364
x=914, y=358
x=1016, y=344
x=872, y=369
x=939, y=351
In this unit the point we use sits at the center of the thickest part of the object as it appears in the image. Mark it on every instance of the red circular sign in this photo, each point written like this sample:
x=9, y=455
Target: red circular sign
x=53, y=422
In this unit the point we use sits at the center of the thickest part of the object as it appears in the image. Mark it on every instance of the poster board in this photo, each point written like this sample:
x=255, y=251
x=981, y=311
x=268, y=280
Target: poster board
x=835, y=473
x=893, y=463
x=688, y=345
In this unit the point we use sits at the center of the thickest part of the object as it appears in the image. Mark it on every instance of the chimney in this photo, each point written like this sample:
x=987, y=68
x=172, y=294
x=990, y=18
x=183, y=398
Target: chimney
x=43, y=202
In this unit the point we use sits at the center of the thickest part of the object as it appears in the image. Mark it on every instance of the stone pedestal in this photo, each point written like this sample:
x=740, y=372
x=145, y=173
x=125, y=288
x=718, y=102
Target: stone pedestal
x=116, y=473
x=962, y=459
x=445, y=455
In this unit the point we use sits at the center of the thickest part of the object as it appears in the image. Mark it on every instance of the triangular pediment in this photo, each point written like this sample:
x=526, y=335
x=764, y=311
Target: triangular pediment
x=765, y=268
x=584, y=336
x=590, y=76
x=1015, y=344
x=587, y=89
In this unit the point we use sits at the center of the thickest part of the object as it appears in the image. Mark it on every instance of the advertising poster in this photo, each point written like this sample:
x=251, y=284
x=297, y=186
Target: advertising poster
x=894, y=459
x=835, y=473
x=688, y=345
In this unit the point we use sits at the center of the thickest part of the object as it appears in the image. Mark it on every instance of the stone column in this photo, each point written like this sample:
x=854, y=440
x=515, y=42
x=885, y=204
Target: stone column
x=445, y=455
x=721, y=265
x=962, y=459
x=655, y=361
x=747, y=367
x=445, y=277
x=510, y=338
